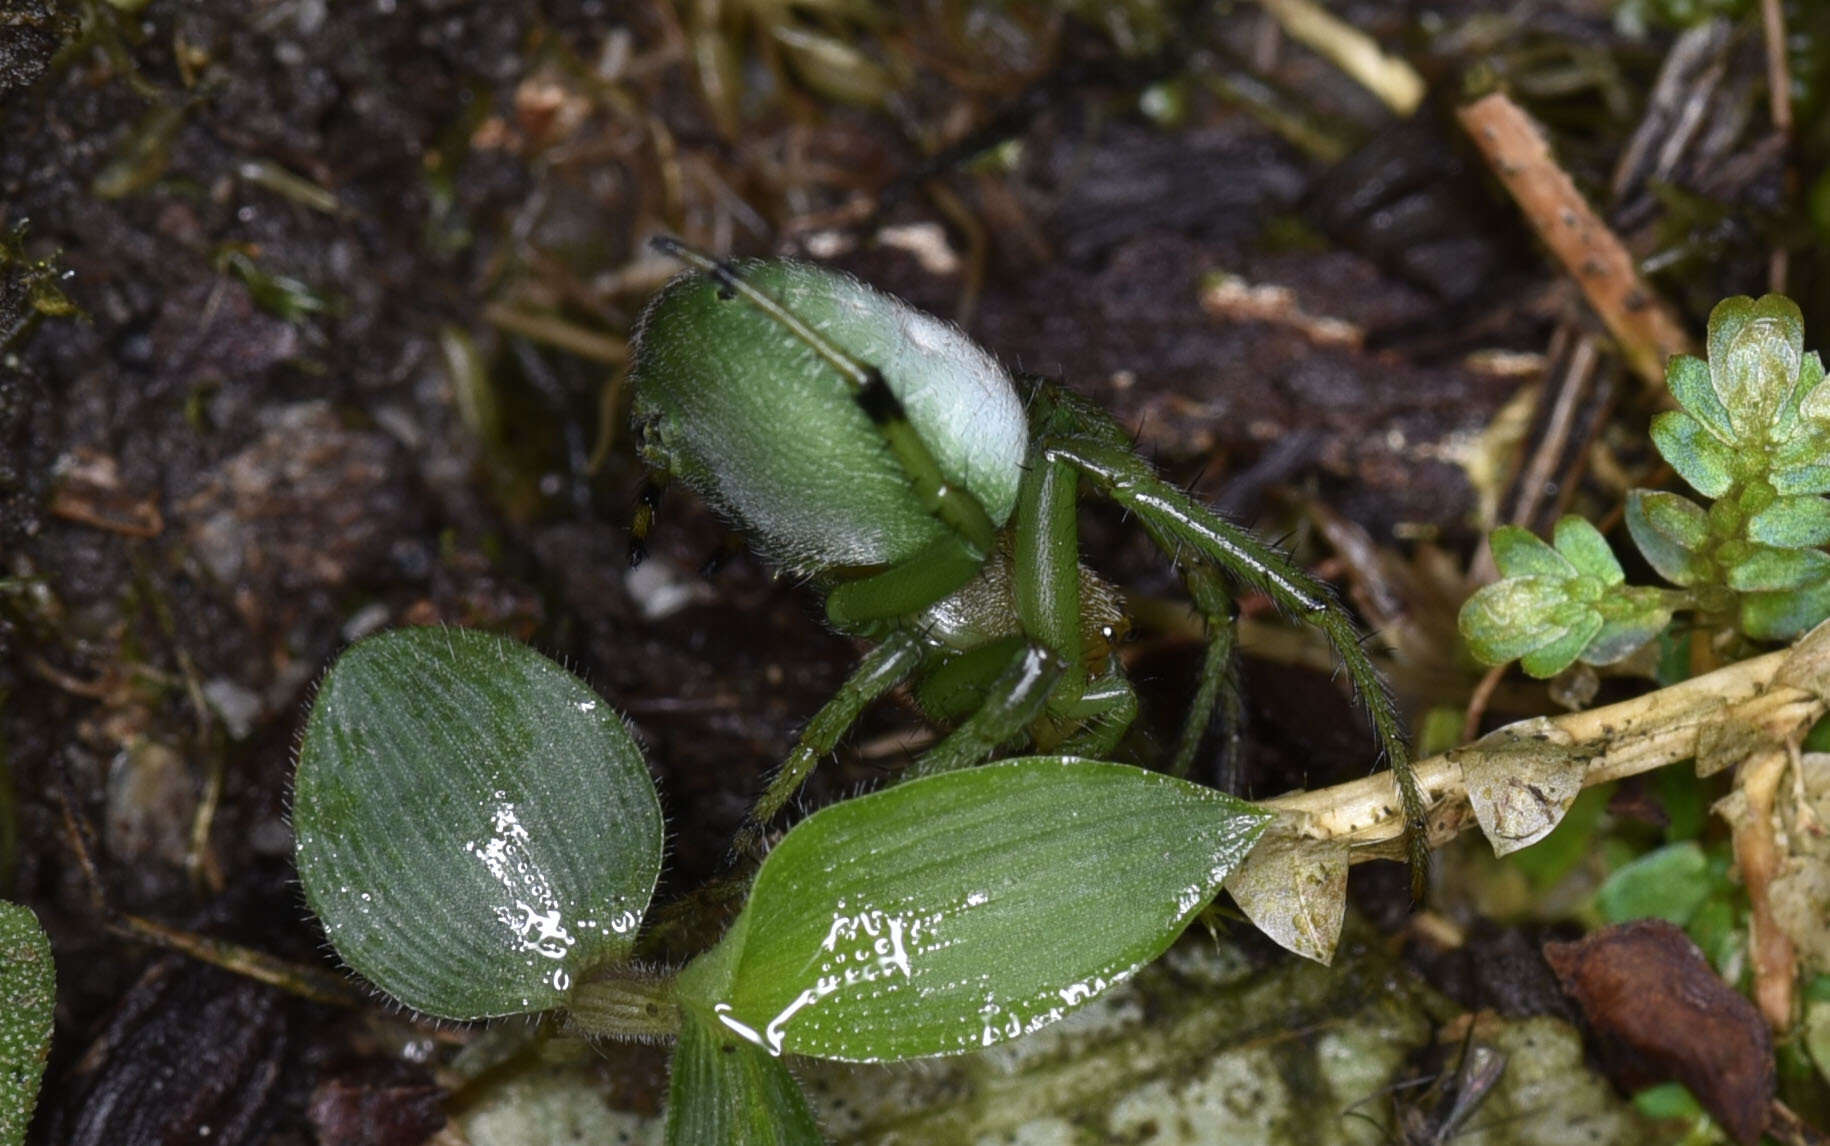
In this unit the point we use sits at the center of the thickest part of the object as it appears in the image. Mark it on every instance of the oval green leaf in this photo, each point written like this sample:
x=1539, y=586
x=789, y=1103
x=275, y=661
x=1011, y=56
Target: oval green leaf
x=1792, y=522
x=28, y=996
x=1551, y=659
x=725, y=1089
x=1689, y=381
x=1697, y=456
x=1756, y=348
x=475, y=826
x=1801, y=464
x=1668, y=528
x=1508, y=619
x=964, y=909
x=1630, y=617
x=1519, y=553
x=1588, y=550
x=1669, y=883
x=1768, y=570
x=1781, y=616
x=1813, y=399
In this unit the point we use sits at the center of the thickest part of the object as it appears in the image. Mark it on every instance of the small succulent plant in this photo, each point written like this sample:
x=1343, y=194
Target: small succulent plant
x=1753, y=437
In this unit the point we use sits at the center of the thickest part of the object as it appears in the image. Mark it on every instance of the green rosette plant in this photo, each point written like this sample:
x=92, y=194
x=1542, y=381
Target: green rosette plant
x=1752, y=437
x=480, y=837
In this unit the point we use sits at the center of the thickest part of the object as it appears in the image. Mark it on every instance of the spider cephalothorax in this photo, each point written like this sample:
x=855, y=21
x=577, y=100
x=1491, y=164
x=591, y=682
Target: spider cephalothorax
x=880, y=452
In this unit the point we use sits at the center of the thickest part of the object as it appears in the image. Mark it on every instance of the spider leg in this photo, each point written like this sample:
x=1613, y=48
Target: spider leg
x=873, y=603
x=942, y=566
x=1046, y=571
x=1047, y=588
x=883, y=668
x=1170, y=513
x=1014, y=699
x=1106, y=709
x=1217, y=693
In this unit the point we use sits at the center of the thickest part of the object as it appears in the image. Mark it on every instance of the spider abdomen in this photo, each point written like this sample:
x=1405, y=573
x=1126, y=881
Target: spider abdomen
x=764, y=429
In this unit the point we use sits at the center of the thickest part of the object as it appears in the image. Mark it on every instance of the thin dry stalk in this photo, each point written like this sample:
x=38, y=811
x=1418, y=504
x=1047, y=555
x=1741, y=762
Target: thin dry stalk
x=1645, y=326
x=1778, y=69
x=1723, y=717
x=1392, y=80
x=608, y=349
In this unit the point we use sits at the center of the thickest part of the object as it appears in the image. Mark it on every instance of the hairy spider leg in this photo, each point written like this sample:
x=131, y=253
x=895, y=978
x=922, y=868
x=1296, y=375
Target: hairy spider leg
x=1013, y=699
x=1038, y=678
x=1046, y=581
x=1217, y=693
x=1106, y=709
x=1131, y=482
x=882, y=668
x=1060, y=413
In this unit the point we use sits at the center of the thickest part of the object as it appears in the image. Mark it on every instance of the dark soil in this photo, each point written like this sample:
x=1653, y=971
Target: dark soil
x=251, y=447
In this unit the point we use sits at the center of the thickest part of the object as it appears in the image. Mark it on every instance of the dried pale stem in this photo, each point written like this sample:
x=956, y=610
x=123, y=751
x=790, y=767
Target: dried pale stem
x=1393, y=81
x=1779, y=101
x=1761, y=859
x=554, y=331
x=1778, y=70
x=303, y=980
x=1763, y=702
x=1479, y=699
x=1541, y=469
x=1644, y=325
x=306, y=981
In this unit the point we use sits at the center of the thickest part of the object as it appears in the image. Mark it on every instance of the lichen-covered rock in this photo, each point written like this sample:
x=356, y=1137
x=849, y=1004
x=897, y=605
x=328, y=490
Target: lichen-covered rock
x=1207, y=1047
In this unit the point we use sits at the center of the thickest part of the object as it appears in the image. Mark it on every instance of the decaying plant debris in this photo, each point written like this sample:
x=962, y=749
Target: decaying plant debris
x=1661, y=1011
x=312, y=319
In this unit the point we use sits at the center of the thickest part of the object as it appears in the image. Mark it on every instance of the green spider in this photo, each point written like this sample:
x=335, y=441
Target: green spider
x=880, y=453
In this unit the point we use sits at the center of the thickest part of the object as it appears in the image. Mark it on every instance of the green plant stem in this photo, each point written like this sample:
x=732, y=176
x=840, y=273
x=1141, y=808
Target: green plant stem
x=625, y=1002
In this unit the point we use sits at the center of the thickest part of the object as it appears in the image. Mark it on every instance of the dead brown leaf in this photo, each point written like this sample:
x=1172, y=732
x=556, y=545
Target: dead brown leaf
x=1660, y=1012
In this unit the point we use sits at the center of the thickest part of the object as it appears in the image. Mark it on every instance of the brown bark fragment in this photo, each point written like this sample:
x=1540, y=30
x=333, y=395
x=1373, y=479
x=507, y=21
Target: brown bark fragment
x=1646, y=327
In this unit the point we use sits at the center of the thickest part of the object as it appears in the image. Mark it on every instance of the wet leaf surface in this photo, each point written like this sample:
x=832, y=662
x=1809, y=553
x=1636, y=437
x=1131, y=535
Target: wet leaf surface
x=728, y=1090
x=929, y=919
x=455, y=775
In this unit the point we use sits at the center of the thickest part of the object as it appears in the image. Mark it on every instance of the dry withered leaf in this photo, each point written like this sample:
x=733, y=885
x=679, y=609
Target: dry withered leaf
x=1760, y=854
x=1659, y=1011
x=1295, y=891
x=1728, y=741
x=1521, y=780
x=1800, y=892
